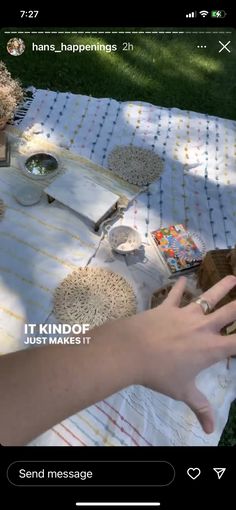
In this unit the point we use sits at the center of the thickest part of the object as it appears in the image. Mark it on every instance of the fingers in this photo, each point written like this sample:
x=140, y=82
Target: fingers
x=175, y=294
x=219, y=290
x=224, y=316
x=201, y=408
x=228, y=344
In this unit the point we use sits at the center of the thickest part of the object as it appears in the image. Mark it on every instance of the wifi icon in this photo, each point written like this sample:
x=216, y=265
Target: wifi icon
x=204, y=13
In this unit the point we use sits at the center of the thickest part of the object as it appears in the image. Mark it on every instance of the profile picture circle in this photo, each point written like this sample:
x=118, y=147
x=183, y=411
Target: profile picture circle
x=15, y=46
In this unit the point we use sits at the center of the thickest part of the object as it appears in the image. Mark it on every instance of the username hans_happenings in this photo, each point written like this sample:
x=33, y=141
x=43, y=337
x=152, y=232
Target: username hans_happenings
x=75, y=48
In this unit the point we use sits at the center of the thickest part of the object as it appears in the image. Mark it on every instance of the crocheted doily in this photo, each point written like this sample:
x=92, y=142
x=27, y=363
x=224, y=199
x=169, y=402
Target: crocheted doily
x=93, y=296
x=2, y=208
x=135, y=165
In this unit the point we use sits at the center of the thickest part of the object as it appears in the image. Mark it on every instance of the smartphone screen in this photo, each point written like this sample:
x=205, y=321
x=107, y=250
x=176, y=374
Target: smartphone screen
x=110, y=133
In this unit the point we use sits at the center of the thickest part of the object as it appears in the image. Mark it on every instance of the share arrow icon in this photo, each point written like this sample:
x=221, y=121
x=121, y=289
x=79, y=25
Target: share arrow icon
x=219, y=472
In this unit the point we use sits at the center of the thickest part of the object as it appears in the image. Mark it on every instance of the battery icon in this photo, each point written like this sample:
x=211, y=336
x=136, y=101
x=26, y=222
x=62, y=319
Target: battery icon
x=218, y=14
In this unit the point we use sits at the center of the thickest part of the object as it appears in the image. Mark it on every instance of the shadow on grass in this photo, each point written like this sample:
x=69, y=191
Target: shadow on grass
x=166, y=70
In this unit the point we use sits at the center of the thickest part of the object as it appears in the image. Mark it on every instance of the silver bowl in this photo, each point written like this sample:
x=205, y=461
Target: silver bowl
x=40, y=165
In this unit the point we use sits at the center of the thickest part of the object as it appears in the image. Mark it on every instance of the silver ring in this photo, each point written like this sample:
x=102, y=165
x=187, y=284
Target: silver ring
x=206, y=308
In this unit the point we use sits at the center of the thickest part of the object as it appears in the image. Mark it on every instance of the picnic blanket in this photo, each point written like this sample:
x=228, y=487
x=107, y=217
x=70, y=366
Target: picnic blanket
x=197, y=188
x=138, y=416
x=40, y=245
x=198, y=185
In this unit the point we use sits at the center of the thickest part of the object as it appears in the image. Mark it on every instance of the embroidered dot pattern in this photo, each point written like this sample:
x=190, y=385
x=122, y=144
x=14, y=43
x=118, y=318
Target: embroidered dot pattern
x=198, y=185
x=2, y=209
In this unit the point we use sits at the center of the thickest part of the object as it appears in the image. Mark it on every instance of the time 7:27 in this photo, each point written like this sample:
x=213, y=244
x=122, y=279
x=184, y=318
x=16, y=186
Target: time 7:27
x=29, y=14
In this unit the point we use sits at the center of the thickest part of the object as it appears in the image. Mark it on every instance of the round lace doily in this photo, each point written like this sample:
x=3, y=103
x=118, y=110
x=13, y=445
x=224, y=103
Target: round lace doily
x=135, y=165
x=2, y=208
x=92, y=296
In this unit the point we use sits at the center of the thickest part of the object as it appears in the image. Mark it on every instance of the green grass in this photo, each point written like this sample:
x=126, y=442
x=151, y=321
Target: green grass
x=229, y=435
x=167, y=70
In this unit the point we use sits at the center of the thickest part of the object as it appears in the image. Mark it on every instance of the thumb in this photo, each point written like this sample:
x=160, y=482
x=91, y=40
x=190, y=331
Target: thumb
x=202, y=409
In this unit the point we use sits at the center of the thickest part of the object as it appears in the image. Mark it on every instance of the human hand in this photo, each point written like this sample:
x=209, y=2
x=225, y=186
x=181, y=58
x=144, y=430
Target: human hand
x=175, y=344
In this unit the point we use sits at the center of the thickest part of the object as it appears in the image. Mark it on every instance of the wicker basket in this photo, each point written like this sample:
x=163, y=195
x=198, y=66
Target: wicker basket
x=160, y=294
x=215, y=266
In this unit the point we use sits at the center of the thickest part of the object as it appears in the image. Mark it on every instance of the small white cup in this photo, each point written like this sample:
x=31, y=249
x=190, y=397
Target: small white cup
x=123, y=239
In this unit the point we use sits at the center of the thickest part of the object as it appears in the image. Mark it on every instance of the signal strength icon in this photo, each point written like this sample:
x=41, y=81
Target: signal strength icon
x=204, y=13
x=192, y=14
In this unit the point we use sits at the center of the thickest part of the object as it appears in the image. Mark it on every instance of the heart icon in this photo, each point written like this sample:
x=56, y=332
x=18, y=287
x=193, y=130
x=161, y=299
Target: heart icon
x=194, y=472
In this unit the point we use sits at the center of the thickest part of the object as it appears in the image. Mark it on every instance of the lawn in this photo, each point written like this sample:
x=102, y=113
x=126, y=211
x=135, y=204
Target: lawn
x=167, y=70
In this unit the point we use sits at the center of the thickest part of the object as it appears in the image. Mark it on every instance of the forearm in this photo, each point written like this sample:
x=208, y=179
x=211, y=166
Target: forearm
x=164, y=349
x=40, y=387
